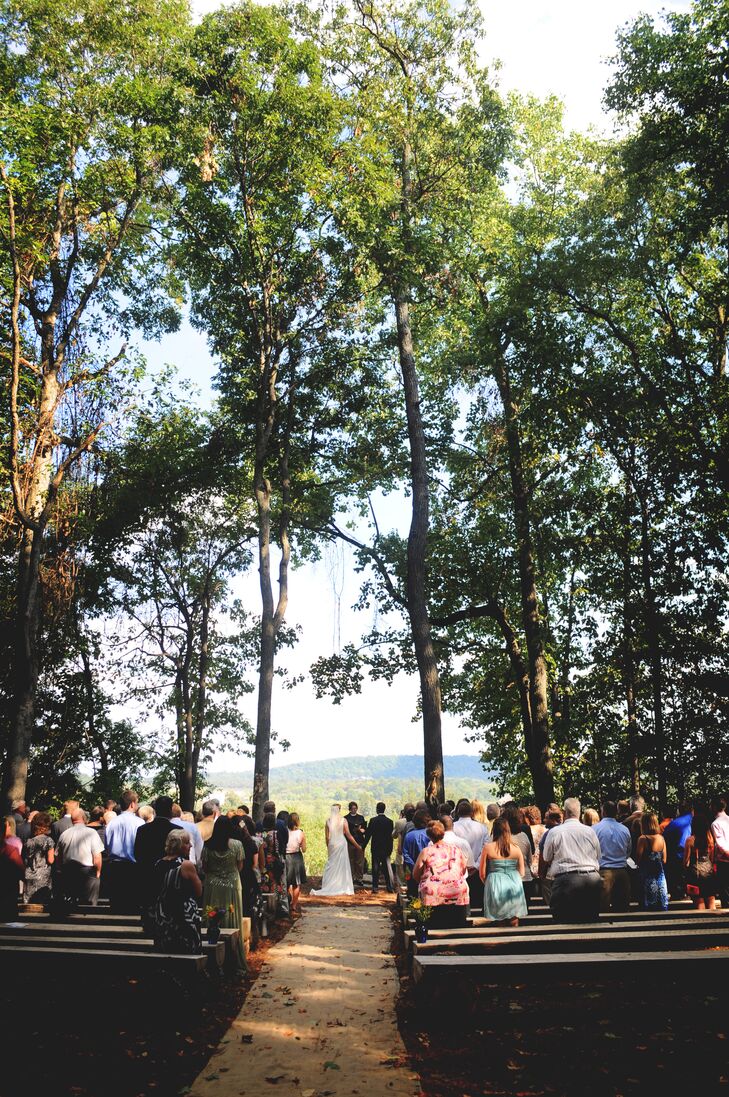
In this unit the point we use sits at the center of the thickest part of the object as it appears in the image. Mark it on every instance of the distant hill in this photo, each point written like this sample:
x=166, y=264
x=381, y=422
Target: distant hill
x=369, y=767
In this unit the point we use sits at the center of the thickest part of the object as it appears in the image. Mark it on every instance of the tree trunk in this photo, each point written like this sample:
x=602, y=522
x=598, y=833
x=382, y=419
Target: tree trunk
x=653, y=643
x=201, y=698
x=416, y=556
x=262, y=761
x=629, y=657
x=27, y=603
x=541, y=761
x=95, y=739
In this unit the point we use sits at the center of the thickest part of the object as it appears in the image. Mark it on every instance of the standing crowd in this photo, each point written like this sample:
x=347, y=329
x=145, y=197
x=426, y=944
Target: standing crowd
x=581, y=863
x=157, y=861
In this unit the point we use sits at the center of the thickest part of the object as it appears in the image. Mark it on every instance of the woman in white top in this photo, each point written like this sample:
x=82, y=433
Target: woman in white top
x=295, y=869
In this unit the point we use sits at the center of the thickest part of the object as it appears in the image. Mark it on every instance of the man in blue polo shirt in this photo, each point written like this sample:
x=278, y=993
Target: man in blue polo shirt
x=414, y=841
x=676, y=833
x=614, y=841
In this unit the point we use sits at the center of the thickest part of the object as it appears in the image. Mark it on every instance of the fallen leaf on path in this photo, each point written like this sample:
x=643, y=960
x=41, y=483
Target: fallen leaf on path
x=274, y=1079
x=331, y=1065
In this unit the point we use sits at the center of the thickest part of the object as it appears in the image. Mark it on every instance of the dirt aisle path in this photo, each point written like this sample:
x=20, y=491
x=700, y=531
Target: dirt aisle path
x=320, y=1019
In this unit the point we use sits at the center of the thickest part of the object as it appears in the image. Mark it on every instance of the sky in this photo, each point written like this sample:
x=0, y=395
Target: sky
x=545, y=47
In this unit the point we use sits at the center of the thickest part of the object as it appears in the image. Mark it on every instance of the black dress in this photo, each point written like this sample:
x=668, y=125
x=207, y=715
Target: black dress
x=175, y=914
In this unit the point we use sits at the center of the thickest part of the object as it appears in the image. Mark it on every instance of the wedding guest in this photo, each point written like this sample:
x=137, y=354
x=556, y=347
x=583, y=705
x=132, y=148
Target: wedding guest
x=634, y=820
x=96, y=822
x=398, y=833
x=210, y=812
x=58, y=827
x=675, y=835
x=699, y=852
x=11, y=873
x=243, y=809
x=440, y=874
x=552, y=818
x=521, y=836
x=502, y=870
x=651, y=856
x=295, y=868
x=450, y=838
x=145, y=813
x=414, y=841
x=615, y=848
x=250, y=875
x=149, y=848
x=122, y=869
x=282, y=832
x=38, y=856
x=222, y=861
x=358, y=830
x=79, y=851
x=175, y=915
x=12, y=837
x=533, y=819
x=720, y=834
x=184, y=819
x=571, y=853
x=22, y=820
x=272, y=865
x=590, y=817
x=623, y=810
x=493, y=811
x=112, y=806
x=479, y=812
x=465, y=826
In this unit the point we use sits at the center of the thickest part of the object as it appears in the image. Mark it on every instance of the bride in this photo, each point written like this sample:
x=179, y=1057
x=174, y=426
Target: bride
x=337, y=878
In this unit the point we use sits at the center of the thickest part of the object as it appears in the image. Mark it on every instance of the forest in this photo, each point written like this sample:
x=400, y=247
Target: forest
x=410, y=282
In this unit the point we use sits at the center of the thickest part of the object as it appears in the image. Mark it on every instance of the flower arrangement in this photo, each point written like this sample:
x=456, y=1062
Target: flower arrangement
x=214, y=915
x=420, y=912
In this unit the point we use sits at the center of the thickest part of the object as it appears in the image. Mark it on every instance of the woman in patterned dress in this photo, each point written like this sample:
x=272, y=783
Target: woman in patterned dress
x=38, y=857
x=175, y=914
x=271, y=862
x=650, y=853
x=441, y=875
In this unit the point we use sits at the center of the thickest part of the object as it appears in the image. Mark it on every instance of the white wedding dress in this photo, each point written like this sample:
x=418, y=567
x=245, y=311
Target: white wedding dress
x=337, y=878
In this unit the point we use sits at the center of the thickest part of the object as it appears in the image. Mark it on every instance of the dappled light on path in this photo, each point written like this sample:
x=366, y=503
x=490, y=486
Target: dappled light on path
x=321, y=1016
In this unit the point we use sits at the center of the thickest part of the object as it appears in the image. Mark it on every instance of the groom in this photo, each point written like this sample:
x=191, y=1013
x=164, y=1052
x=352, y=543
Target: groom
x=356, y=823
x=379, y=835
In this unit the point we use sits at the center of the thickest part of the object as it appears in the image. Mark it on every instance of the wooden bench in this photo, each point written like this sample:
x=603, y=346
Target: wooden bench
x=188, y=968
x=557, y=967
x=694, y=937
x=608, y=923
x=79, y=930
x=213, y=954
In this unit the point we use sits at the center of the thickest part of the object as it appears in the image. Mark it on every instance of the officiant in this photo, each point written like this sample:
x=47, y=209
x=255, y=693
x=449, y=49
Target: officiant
x=358, y=830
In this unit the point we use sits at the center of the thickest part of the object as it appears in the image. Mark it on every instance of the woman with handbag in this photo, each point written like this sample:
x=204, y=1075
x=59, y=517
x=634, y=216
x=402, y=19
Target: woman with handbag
x=698, y=860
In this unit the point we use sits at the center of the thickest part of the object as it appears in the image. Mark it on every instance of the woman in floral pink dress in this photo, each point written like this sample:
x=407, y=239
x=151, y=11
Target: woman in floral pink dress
x=440, y=872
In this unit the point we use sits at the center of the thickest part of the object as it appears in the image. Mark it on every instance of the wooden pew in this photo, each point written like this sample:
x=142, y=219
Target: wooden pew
x=64, y=932
x=640, y=940
x=214, y=954
x=712, y=966
x=609, y=923
x=19, y=959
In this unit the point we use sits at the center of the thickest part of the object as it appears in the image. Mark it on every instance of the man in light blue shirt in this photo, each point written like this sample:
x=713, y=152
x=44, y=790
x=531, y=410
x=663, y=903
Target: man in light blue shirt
x=614, y=841
x=122, y=868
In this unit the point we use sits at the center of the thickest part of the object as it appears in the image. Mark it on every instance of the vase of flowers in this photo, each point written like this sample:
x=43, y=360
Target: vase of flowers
x=421, y=915
x=213, y=919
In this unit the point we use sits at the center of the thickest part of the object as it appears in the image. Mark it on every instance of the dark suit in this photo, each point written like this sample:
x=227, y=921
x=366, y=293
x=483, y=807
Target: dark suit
x=357, y=828
x=59, y=826
x=379, y=835
x=149, y=847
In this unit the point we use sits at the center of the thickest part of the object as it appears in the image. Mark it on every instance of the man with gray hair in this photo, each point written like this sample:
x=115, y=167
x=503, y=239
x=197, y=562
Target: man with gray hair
x=493, y=811
x=210, y=812
x=571, y=854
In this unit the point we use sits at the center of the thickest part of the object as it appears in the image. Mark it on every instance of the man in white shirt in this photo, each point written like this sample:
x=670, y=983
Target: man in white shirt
x=572, y=856
x=477, y=835
x=720, y=832
x=196, y=840
x=79, y=851
x=452, y=839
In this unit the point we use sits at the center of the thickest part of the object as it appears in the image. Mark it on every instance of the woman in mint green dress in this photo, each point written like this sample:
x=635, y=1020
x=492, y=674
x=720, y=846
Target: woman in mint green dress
x=502, y=870
x=222, y=861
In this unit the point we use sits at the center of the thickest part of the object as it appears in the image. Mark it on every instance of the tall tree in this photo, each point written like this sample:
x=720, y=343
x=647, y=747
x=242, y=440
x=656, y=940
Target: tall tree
x=85, y=137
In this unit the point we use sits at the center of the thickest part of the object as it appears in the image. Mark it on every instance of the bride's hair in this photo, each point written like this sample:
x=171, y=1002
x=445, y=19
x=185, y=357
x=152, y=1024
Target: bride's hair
x=336, y=807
